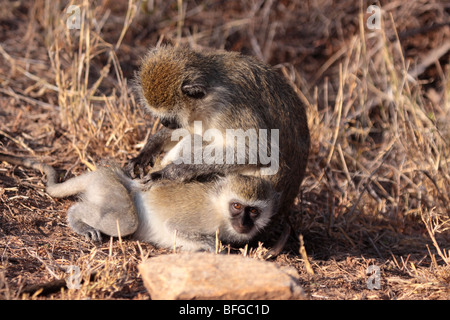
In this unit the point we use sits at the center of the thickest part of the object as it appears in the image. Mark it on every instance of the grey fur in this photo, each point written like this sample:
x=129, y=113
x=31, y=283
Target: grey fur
x=188, y=214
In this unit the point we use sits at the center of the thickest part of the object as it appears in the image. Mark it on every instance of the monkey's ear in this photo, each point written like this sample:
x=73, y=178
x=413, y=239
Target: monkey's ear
x=194, y=90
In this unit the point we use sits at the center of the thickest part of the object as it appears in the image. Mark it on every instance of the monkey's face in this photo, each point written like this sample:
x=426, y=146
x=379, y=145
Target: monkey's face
x=243, y=217
x=247, y=217
x=247, y=203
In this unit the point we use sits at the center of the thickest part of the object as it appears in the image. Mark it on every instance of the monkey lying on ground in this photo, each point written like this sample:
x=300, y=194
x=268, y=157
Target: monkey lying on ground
x=113, y=204
x=223, y=91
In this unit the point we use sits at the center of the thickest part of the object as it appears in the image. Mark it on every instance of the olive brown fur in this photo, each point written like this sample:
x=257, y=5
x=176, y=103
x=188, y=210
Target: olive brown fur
x=224, y=90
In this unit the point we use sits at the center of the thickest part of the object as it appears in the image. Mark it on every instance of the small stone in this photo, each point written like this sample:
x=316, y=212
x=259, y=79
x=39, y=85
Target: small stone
x=209, y=276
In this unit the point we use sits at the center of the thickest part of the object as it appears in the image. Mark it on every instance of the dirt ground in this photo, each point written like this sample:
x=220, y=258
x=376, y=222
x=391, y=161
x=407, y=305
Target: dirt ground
x=373, y=209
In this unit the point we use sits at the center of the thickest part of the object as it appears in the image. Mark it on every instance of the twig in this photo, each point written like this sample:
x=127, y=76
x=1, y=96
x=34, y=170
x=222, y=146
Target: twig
x=45, y=288
x=12, y=61
x=344, y=165
x=429, y=225
x=174, y=250
x=302, y=251
x=18, y=142
x=374, y=246
x=13, y=94
x=431, y=57
x=423, y=29
x=369, y=182
x=217, y=243
x=338, y=108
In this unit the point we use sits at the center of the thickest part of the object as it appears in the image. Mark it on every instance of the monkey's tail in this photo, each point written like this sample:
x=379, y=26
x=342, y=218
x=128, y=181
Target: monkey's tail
x=32, y=164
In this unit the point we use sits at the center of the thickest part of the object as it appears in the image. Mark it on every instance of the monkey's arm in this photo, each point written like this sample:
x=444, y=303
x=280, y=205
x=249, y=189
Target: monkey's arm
x=177, y=166
x=195, y=241
x=153, y=147
x=186, y=172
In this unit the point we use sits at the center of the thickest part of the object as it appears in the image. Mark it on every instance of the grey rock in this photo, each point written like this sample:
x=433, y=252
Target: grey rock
x=209, y=276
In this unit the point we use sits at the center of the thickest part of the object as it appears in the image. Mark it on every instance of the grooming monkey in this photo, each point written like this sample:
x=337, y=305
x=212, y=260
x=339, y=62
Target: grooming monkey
x=223, y=90
x=188, y=213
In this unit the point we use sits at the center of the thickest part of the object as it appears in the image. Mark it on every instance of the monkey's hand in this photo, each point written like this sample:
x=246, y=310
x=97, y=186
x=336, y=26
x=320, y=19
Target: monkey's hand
x=148, y=155
x=139, y=163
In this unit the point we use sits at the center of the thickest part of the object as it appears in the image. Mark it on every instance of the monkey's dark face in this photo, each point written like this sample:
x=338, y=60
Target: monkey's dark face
x=247, y=204
x=243, y=217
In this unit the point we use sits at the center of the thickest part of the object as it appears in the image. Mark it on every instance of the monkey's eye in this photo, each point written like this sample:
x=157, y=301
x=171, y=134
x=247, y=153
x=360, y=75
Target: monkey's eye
x=194, y=91
x=253, y=212
x=236, y=208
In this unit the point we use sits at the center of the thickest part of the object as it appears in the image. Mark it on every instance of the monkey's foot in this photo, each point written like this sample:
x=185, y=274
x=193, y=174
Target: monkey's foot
x=93, y=235
x=89, y=233
x=80, y=227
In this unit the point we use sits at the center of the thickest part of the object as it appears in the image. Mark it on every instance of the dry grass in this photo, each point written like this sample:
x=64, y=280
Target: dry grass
x=377, y=190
